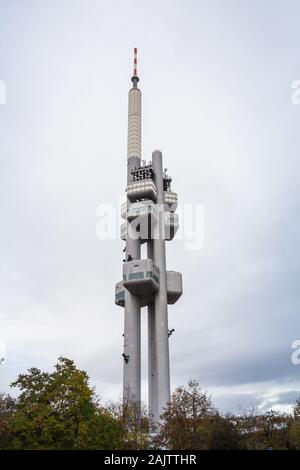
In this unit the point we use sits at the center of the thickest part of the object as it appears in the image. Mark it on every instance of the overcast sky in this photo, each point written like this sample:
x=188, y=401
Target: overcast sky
x=216, y=80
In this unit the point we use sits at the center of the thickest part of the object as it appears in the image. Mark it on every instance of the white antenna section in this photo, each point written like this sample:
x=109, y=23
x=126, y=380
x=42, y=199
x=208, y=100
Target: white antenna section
x=134, y=142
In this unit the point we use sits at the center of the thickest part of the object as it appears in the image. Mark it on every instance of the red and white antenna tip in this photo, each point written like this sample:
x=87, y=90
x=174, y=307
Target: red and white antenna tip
x=135, y=63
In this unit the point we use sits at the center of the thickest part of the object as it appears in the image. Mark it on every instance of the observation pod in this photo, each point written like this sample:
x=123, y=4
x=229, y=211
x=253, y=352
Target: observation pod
x=141, y=277
x=174, y=287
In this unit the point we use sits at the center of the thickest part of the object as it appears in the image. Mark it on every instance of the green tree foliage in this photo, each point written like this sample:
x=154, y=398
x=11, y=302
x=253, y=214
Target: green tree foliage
x=59, y=410
x=224, y=434
x=7, y=409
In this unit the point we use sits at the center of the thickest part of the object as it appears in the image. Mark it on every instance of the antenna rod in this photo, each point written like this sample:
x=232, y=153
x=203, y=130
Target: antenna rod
x=135, y=77
x=135, y=63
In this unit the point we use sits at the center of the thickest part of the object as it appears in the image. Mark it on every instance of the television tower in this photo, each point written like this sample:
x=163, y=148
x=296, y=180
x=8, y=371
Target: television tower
x=150, y=218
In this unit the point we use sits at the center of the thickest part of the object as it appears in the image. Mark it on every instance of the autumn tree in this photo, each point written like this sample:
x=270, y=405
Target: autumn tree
x=133, y=419
x=261, y=431
x=186, y=420
x=295, y=426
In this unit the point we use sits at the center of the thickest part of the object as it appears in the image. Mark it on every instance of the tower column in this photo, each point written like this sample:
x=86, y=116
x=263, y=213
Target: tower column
x=152, y=366
x=161, y=301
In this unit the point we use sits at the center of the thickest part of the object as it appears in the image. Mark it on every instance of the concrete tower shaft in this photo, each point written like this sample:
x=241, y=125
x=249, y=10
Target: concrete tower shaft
x=161, y=299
